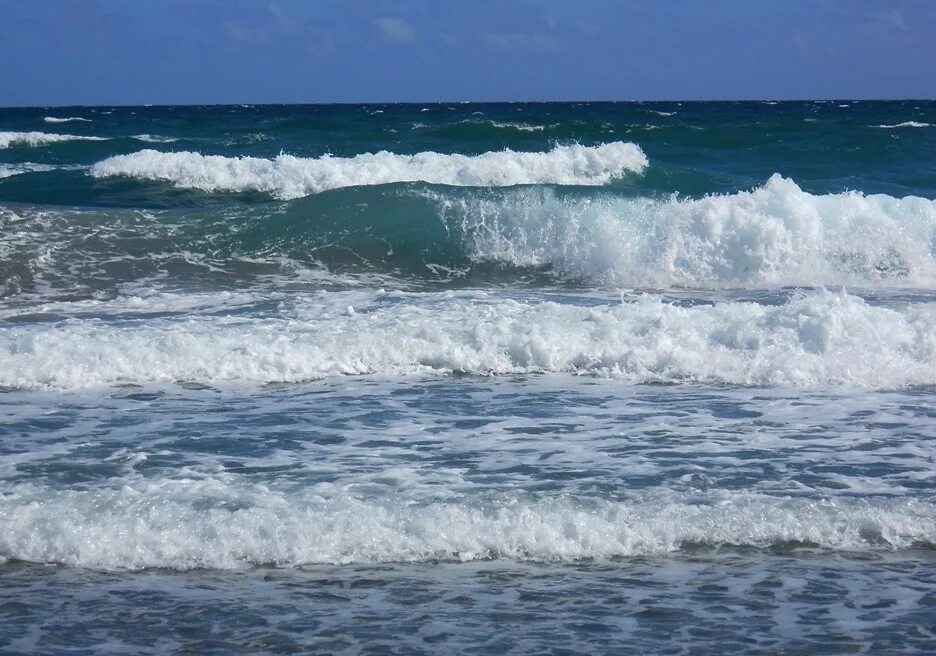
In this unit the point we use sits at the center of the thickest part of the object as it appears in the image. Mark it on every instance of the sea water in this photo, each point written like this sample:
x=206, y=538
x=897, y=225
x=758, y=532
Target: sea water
x=469, y=378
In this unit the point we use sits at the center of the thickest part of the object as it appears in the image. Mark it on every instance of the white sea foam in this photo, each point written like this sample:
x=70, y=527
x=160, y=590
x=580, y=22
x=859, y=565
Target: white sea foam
x=154, y=138
x=905, y=124
x=293, y=177
x=777, y=234
x=216, y=524
x=9, y=170
x=510, y=125
x=66, y=119
x=522, y=127
x=143, y=300
x=816, y=339
x=9, y=139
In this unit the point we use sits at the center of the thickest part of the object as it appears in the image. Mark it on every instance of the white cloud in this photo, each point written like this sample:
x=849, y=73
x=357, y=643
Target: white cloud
x=257, y=37
x=286, y=23
x=519, y=41
x=396, y=30
x=895, y=18
x=277, y=24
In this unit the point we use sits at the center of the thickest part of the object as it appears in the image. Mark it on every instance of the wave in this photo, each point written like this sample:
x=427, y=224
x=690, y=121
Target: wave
x=66, y=119
x=9, y=170
x=813, y=340
x=522, y=127
x=216, y=524
x=905, y=124
x=773, y=236
x=10, y=139
x=510, y=125
x=777, y=234
x=153, y=138
x=288, y=177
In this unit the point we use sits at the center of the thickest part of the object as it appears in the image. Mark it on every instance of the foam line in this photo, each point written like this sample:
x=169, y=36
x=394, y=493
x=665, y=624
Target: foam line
x=217, y=524
x=814, y=340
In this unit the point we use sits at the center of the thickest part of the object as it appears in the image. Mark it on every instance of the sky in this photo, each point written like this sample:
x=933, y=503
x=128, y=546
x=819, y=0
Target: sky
x=128, y=52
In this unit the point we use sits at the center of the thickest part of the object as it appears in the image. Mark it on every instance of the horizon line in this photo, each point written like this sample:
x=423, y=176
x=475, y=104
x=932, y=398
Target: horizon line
x=472, y=102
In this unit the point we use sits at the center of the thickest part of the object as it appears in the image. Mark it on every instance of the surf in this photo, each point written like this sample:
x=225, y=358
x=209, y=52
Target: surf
x=287, y=177
x=34, y=139
x=217, y=523
x=813, y=340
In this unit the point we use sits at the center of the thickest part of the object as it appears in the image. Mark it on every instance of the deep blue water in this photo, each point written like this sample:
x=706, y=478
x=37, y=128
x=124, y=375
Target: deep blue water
x=514, y=378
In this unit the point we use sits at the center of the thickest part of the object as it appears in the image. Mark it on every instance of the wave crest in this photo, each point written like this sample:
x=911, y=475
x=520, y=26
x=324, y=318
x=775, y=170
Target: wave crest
x=66, y=119
x=777, y=234
x=9, y=170
x=905, y=124
x=10, y=139
x=185, y=524
x=813, y=340
x=288, y=177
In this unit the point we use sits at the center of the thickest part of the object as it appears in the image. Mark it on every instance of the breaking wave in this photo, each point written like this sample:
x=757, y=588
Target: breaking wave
x=777, y=234
x=9, y=170
x=905, y=124
x=288, y=177
x=815, y=339
x=154, y=138
x=522, y=127
x=215, y=524
x=65, y=119
x=10, y=139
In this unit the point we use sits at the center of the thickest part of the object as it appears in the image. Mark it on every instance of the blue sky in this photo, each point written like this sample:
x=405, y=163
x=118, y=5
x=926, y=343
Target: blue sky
x=61, y=52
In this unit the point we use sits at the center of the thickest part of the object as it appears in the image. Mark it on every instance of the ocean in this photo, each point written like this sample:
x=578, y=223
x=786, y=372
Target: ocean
x=530, y=378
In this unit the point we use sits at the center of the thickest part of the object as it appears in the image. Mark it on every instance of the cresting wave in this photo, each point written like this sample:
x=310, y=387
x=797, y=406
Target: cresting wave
x=216, y=524
x=509, y=125
x=777, y=234
x=153, y=138
x=815, y=339
x=905, y=124
x=522, y=127
x=9, y=170
x=65, y=119
x=10, y=139
x=293, y=177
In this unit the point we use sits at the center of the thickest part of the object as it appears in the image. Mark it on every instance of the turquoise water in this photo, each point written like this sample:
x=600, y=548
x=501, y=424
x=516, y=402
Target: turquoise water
x=525, y=378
